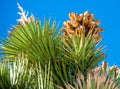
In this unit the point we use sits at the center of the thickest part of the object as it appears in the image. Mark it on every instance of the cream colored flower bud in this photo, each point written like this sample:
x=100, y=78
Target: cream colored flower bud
x=85, y=21
x=82, y=27
x=91, y=24
x=86, y=14
x=67, y=24
x=79, y=32
x=98, y=37
x=74, y=24
x=97, y=22
x=70, y=31
x=78, y=18
x=91, y=18
x=72, y=16
x=98, y=30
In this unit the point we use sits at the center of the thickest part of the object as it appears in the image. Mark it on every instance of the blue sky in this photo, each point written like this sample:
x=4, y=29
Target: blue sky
x=108, y=11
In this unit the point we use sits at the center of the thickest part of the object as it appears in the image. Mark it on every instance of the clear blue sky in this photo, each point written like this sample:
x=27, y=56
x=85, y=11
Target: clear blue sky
x=108, y=11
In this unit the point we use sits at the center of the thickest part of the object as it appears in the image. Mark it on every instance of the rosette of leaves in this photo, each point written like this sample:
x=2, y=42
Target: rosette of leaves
x=95, y=80
x=83, y=52
x=37, y=42
x=19, y=75
x=113, y=72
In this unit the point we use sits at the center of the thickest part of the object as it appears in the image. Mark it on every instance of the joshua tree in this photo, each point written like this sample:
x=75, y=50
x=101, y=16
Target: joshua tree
x=67, y=53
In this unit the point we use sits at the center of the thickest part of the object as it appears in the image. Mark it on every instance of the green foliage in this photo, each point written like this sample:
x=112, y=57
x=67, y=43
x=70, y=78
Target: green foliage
x=83, y=52
x=44, y=44
x=37, y=42
x=18, y=75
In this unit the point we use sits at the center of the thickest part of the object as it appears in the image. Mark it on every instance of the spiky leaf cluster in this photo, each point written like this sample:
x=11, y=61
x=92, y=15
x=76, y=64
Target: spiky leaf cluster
x=19, y=75
x=95, y=80
x=68, y=53
x=113, y=72
x=83, y=52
